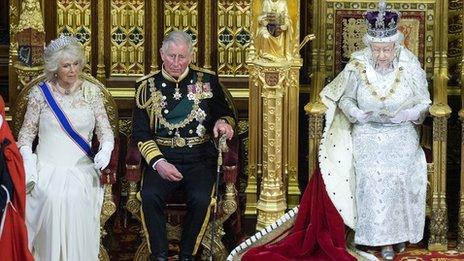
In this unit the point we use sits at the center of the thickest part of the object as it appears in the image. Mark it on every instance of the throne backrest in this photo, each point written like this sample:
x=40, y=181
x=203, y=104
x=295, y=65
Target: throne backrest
x=344, y=29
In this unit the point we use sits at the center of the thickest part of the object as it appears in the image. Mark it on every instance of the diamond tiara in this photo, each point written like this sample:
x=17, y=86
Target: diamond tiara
x=59, y=43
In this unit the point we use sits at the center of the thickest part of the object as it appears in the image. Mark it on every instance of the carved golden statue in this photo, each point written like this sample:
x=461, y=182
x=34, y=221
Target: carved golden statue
x=274, y=34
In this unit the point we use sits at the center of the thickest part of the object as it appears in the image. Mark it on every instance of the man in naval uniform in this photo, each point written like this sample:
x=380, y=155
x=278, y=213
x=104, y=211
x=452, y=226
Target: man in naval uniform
x=179, y=111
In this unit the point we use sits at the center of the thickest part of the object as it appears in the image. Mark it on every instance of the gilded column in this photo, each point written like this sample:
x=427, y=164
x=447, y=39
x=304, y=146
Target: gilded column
x=101, y=75
x=291, y=112
x=154, y=36
x=274, y=64
x=208, y=31
x=272, y=202
x=291, y=136
x=440, y=111
x=315, y=109
x=254, y=142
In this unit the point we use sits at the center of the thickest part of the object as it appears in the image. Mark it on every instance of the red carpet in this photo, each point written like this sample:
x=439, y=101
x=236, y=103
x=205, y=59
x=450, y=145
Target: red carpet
x=417, y=254
x=124, y=237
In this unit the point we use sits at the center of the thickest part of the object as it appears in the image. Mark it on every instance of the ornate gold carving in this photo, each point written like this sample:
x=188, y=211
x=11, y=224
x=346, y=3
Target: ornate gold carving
x=208, y=32
x=26, y=74
x=316, y=126
x=182, y=15
x=174, y=231
x=273, y=106
x=274, y=31
x=272, y=197
x=219, y=250
x=30, y=37
x=31, y=16
x=154, y=37
x=74, y=18
x=455, y=41
x=251, y=191
x=267, y=218
x=101, y=72
x=125, y=126
x=271, y=78
x=234, y=22
x=293, y=191
x=108, y=209
x=133, y=203
x=127, y=27
x=14, y=17
x=440, y=129
x=438, y=229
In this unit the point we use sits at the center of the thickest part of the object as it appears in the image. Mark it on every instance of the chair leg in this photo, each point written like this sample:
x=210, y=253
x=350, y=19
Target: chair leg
x=219, y=250
x=108, y=209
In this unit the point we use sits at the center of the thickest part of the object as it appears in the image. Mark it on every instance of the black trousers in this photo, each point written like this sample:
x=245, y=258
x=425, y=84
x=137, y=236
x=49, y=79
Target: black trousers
x=198, y=168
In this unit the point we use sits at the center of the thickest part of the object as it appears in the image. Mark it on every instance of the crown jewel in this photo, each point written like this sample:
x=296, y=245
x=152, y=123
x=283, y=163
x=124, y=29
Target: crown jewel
x=382, y=23
x=59, y=43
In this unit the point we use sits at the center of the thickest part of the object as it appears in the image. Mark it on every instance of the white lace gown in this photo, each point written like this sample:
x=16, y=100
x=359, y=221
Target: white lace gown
x=63, y=209
x=376, y=173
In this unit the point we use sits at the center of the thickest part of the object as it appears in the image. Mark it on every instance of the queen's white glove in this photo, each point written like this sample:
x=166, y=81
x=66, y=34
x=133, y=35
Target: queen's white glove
x=406, y=115
x=360, y=115
x=30, y=166
x=102, y=158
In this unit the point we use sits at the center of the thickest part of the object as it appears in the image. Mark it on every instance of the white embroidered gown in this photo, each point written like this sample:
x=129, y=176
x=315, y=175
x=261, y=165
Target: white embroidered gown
x=376, y=173
x=63, y=209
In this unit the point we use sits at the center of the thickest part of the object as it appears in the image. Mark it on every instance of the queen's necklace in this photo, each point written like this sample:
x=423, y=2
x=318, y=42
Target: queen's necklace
x=374, y=90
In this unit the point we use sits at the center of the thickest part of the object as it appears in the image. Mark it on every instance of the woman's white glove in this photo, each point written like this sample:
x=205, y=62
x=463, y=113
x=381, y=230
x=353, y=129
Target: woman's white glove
x=360, y=115
x=102, y=159
x=30, y=166
x=406, y=115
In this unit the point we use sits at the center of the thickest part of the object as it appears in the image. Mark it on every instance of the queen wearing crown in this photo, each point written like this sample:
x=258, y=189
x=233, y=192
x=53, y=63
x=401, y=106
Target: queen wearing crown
x=370, y=143
x=64, y=201
x=372, y=174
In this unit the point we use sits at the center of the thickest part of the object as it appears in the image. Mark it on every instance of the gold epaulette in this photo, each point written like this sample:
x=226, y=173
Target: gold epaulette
x=196, y=68
x=143, y=78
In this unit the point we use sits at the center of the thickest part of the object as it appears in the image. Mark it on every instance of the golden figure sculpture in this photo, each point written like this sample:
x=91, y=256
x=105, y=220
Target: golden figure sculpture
x=274, y=34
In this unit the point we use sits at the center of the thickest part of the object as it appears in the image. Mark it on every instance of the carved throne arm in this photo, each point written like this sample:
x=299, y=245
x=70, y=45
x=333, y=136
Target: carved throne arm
x=133, y=176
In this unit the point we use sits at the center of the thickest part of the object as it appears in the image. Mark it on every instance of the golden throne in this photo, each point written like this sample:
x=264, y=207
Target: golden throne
x=176, y=207
x=108, y=175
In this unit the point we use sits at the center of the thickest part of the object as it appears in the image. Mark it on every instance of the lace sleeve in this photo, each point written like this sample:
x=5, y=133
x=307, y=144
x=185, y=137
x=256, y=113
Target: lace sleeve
x=30, y=126
x=102, y=124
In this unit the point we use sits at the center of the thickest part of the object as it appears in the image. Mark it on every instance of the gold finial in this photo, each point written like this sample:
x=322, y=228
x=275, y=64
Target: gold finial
x=31, y=16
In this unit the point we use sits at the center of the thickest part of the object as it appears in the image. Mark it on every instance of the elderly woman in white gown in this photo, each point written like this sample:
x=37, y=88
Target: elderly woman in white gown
x=371, y=160
x=63, y=208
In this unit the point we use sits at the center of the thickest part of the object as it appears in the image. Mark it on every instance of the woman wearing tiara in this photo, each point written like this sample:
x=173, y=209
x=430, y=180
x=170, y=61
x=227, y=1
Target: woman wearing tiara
x=63, y=207
x=372, y=165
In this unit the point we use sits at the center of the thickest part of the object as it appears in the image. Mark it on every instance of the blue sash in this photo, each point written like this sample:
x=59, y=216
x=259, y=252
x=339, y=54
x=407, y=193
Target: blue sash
x=64, y=122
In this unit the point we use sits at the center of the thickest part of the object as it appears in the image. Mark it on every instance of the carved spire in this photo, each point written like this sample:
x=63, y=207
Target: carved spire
x=31, y=16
